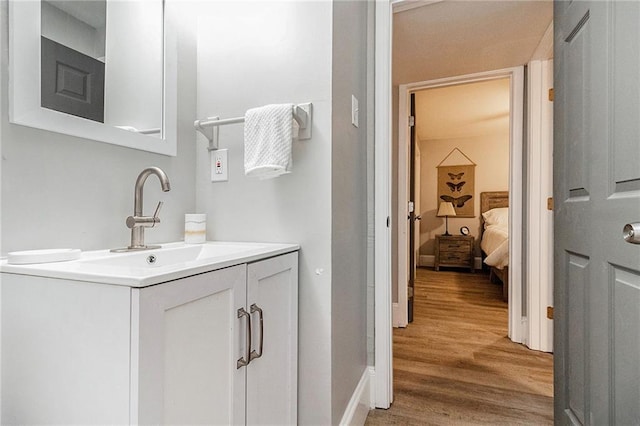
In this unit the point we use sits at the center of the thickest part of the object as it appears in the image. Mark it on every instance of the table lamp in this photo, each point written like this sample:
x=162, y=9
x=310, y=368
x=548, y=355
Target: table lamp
x=446, y=210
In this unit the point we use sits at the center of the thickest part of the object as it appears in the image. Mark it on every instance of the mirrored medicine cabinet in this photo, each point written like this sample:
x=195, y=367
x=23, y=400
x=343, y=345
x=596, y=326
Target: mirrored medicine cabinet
x=103, y=70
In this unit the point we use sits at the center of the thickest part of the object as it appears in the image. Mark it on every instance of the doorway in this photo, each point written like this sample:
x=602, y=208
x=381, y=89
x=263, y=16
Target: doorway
x=447, y=87
x=385, y=245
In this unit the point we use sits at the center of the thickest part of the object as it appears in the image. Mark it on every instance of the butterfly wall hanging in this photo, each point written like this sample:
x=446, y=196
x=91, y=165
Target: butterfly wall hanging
x=456, y=185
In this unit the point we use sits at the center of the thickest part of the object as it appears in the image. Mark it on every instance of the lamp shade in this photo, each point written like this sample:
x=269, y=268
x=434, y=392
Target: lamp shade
x=446, y=209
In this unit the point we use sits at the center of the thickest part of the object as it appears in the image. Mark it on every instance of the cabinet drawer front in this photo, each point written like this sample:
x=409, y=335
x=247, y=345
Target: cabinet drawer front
x=455, y=245
x=461, y=251
x=454, y=258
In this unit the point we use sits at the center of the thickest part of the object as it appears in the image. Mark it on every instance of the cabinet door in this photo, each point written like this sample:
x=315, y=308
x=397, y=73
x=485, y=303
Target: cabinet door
x=272, y=379
x=65, y=352
x=184, y=368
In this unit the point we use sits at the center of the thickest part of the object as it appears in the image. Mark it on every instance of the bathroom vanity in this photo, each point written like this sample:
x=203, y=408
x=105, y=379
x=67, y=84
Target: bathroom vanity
x=180, y=335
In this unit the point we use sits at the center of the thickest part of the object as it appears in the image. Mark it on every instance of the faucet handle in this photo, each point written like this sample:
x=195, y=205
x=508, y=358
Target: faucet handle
x=156, y=218
x=145, y=221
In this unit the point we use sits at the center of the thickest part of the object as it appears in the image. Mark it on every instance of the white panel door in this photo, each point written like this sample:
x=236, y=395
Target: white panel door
x=272, y=375
x=597, y=192
x=185, y=367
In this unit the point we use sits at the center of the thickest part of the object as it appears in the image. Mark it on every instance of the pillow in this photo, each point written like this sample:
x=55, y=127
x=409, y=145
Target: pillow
x=499, y=216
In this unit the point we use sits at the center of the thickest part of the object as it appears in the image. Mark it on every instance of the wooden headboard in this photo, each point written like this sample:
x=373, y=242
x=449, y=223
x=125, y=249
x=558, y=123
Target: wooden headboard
x=492, y=200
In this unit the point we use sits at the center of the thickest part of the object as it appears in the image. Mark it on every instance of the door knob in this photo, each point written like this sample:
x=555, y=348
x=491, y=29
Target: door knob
x=631, y=233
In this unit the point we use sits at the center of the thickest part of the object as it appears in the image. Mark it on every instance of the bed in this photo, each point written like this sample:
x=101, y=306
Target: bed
x=494, y=240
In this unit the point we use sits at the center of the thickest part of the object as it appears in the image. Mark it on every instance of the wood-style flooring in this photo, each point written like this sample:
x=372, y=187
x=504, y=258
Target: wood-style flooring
x=455, y=365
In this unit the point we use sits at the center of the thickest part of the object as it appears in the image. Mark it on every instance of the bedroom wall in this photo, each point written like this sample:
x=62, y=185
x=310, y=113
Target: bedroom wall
x=475, y=121
x=491, y=155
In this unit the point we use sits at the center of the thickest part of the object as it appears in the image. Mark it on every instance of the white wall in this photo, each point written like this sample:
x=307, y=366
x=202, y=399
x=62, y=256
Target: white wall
x=349, y=203
x=252, y=54
x=256, y=53
x=62, y=191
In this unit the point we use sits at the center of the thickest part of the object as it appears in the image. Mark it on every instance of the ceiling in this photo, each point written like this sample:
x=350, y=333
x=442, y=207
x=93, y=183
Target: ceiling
x=434, y=39
x=451, y=37
x=92, y=13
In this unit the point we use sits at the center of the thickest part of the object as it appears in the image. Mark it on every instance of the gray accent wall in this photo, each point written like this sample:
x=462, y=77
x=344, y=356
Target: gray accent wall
x=60, y=191
x=348, y=203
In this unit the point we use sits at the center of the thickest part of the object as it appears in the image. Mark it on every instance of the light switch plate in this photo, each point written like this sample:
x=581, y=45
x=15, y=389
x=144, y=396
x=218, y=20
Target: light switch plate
x=355, y=111
x=219, y=165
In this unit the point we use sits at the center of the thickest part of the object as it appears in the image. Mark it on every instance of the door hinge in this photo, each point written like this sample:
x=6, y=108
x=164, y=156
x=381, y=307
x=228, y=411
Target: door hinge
x=410, y=292
x=551, y=95
x=550, y=312
x=550, y=203
x=412, y=121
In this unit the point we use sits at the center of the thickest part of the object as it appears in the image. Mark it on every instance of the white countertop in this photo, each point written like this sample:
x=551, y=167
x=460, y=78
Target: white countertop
x=136, y=269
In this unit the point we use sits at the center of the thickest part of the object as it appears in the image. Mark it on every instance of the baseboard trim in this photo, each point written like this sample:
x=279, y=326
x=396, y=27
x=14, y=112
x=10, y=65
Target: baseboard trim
x=361, y=401
x=399, y=318
x=396, y=315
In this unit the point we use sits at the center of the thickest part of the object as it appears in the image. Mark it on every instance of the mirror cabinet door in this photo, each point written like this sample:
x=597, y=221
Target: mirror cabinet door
x=101, y=69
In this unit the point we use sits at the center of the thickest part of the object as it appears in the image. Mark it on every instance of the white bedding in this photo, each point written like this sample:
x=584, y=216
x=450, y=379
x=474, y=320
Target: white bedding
x=495, y=243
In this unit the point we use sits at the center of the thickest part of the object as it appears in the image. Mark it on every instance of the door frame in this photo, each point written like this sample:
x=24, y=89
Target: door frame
x=382, y=389
x=382, y=377
x=403, y=215
x=539, y=182
x=517, y=323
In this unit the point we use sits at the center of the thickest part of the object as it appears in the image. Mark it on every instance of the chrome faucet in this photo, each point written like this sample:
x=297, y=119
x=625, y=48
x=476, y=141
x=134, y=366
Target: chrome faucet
x=138, y=222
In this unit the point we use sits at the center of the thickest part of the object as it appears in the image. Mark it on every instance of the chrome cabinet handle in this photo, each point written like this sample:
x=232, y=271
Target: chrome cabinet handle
x=631, y=233
x=253, y=309
x=245, y=360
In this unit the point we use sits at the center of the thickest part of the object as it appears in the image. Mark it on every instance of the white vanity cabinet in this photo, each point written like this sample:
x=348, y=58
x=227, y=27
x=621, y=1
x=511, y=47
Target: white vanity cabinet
x=191, y=337
x=87, y=353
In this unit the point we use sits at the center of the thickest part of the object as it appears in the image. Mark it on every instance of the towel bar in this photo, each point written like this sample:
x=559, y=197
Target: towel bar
x=209, y=126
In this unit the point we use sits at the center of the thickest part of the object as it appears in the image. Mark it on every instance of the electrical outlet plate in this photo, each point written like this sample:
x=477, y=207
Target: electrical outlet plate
x=219, y=165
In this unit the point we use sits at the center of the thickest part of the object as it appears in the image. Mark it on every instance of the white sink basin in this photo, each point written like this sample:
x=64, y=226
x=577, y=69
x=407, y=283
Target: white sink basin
x=168, y=255
x=143, y=268
x=42, y=256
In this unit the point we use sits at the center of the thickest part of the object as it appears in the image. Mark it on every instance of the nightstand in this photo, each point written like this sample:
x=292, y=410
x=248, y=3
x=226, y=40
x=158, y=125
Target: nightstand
x=455, y=251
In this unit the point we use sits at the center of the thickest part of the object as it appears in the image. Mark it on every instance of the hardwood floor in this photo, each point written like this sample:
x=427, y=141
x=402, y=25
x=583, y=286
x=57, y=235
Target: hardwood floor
x=455, y=365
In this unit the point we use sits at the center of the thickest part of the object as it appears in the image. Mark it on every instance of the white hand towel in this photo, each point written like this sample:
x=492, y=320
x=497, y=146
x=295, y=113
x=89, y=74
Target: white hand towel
x=268, y=135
